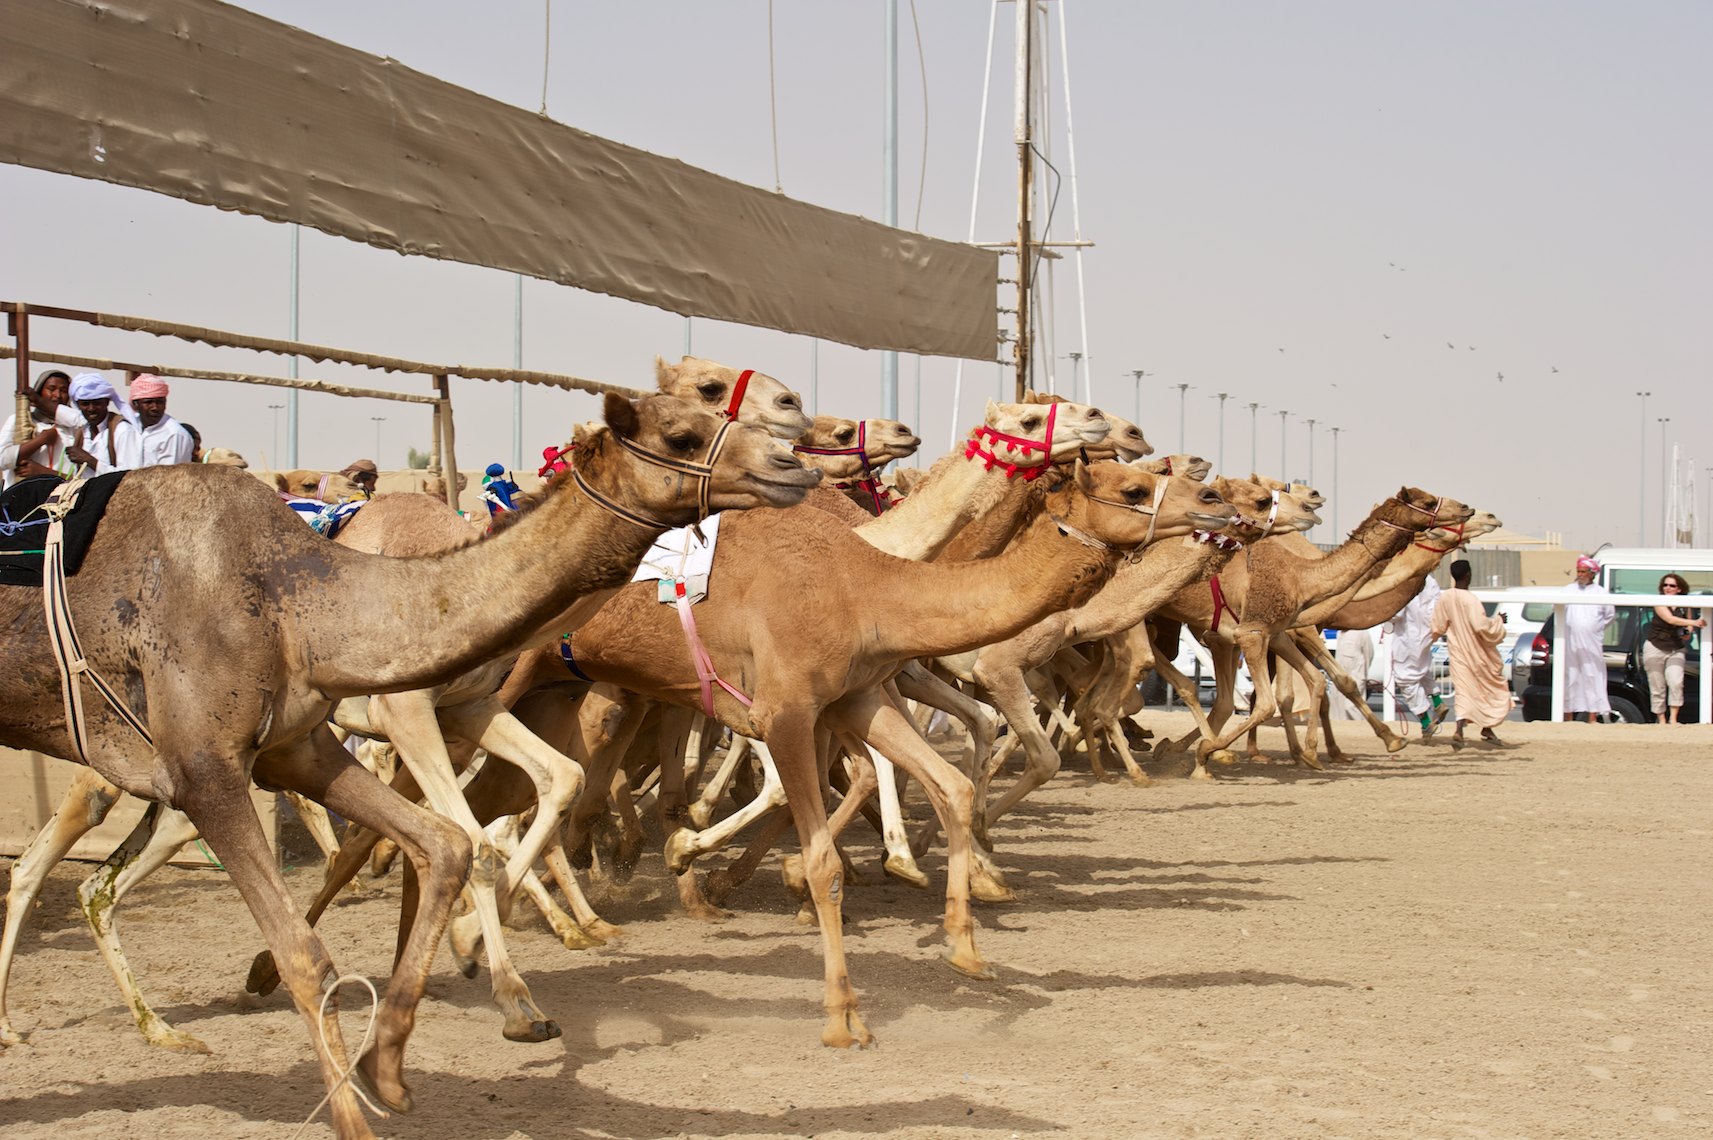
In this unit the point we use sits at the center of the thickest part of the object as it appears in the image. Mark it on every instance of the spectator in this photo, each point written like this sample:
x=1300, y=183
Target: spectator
x=55, y=422
x=164, y=440
x=1668, y=636
x=1477, y=676
x=1412, y=659
x=1355, y=655
x=364, y=473
x=109, y=440
x=1581, y=642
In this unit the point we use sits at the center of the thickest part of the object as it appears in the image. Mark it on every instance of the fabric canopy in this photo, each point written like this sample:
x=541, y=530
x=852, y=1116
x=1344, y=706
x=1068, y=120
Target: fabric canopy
x=210, y=103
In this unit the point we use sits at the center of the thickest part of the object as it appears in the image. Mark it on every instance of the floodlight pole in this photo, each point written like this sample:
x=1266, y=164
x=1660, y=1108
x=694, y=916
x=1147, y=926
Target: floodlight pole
x=1182, y=388
x=889, y=195
x=1220, y=470
x=1642, y=483
x=1138, y=374
x=1285, y=474
x=1664, y=483
x=1335, y=531
x=1254, y=454
x=1311, y=452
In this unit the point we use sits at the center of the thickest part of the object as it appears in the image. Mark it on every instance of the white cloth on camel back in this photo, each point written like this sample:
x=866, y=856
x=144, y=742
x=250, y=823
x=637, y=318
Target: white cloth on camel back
x=679, y=554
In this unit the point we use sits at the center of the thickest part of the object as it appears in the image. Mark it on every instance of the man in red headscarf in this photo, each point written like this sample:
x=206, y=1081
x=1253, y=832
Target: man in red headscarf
x=1582, y=641
x=164, y=439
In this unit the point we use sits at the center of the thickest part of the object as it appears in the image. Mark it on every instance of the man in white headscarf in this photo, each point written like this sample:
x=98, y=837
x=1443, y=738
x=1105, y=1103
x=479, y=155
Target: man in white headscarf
x=1582, y=643
x=1412, y=658
x=111, y=439
x=53, y=427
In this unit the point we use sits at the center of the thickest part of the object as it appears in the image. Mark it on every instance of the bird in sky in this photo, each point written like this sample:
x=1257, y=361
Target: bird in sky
x=1471, y=348
x=1388, y=336
x=1448, y=344
x=1501, y=377
x=1281, y=350
x=1555, y=368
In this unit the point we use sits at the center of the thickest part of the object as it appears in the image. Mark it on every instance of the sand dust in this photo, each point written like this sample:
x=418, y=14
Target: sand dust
x=1486, y=944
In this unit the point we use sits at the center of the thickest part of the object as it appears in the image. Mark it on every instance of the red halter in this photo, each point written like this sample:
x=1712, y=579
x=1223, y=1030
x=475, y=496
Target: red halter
x=731, y=412
x=877, y=491
x=1457, y=531
x=973, y=449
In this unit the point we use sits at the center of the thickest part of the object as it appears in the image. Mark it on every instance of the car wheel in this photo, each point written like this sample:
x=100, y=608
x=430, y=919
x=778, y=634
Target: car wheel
x=1627, y=712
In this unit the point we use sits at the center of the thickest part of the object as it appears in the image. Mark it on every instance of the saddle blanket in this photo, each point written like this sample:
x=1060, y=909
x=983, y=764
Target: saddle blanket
x=24, y=527
x=325, y=519
x=680, y=554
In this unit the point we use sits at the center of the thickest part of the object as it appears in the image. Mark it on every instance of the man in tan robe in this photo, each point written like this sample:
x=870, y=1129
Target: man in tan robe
x=1477, y=677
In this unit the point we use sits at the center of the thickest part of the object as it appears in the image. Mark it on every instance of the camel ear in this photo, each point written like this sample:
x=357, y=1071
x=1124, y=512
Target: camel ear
x=663, y=373
x=1080, y=473
x=279, y=481
x=620, y=415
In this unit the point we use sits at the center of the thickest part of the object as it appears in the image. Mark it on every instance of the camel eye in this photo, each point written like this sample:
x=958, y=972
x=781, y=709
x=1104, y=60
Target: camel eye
x=683, y=442
x=1030, y=423
x=712, y=390
x=1135, y=494
x=845, y=435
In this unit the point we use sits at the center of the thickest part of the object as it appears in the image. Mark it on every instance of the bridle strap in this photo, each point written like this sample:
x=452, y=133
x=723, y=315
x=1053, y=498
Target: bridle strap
x=1432, y=514
x=704, y=472
x=738, y=389
x=973, y=448
x=1455, y=531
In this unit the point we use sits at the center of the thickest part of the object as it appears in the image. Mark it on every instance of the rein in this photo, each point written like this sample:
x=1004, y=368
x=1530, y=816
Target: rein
x=703, y=472
x=1153, y=512
x=1432, y=514
x=742, y=386
x=973, y=449
x=1455, y=531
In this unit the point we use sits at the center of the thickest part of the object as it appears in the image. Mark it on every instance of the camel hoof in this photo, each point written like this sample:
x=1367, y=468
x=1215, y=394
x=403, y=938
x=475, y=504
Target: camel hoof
x=905, y=871
x=1311, y=762
x=625, y=858
x=10, y=1036
x=680, y=850
x=264, y=976
x=1395, y=743
x=1141, y=780
x=394, y=1095
x=987, y=890
x=921, y=843
x=792, y=874
x=603, y=931
x=1222, y=756
x=847, y=1031
x=972, y=967
x=1340, y=758
x=177, y=1041
x=533, y=1031
x=1201, y=773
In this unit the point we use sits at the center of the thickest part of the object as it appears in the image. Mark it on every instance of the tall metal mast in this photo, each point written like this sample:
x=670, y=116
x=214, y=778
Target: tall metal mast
x=1022, y=134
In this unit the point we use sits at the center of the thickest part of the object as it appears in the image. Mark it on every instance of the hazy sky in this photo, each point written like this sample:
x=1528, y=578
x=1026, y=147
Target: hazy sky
x=1301, y=205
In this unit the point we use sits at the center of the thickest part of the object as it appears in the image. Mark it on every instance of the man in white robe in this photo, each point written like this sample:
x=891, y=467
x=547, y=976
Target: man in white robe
x=1582, y=643
x=163, y=439
x=1355, y=655
x=111, y=439
x=54, y=424
x=1412, y=658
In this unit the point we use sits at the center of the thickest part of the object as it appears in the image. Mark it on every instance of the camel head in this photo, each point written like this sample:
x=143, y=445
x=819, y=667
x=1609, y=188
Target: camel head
x=1415, y=509
x=1452, y=537
x=1262, y=511
x=1125, y=442
x=328, y=486
x=831, y=444
x=224, y=457
x=1122, y=505
x=1303, y=491
x=1192, y=467
x=763, y=402
x=648, y=457
x=1075, y=426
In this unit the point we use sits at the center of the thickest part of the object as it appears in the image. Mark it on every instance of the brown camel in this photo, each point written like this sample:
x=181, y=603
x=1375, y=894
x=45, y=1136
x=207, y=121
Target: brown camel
x=1136, y=589
x=794, y=625
x=405, y=525
x=230, y=593
x=1263, y=594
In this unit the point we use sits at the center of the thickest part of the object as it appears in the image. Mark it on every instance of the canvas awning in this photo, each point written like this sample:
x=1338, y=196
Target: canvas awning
x=216, y=105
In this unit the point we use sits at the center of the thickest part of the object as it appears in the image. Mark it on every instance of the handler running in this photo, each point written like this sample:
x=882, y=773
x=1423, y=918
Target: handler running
x=1479, y=694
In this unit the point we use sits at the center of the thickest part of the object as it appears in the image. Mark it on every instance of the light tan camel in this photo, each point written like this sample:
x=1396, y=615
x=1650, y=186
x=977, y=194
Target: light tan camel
x=794, y=624
x=327, y=486
x=243, y=599
x=1135, y=590
x=1265, y=591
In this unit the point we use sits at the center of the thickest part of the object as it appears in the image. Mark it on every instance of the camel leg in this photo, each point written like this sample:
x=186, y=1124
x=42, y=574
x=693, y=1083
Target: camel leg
x=317, y=822
x=885, y=727
x=723, y=881
x=900, y=861
x=503, y=833
x=85, y=804
x=1253, y=642
x=154, y=841
x=1315, y=648
x=791, y=734
x=439, y=855
x=409, y=721
x=702, y=811
x=1308, y=753
x=1006, y=685
x=684, y=846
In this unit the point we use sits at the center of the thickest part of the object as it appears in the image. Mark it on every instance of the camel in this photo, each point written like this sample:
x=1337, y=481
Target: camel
x=327, y=486
x=1264, y=593
x=398, y=525
x=793, y=624
x=239, y=597
x=869, y=445
x=1375, y=602
x=1122, y=603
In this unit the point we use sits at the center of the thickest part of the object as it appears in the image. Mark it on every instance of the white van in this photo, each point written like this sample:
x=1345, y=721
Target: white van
x=1637, y=570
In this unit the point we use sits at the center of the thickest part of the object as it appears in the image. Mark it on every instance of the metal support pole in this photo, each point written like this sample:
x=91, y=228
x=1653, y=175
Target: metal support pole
x=1284, y=464
x=1138, y=374
x=1335, y=530
x=1642, y=483
x=1182, y=388
x=1076, y=379
x=889, y=194
x=1025, y=226
x=1220, y=470
x=1254, y=455
x=1311, y=452
x=517, y=385
x=1664, y=485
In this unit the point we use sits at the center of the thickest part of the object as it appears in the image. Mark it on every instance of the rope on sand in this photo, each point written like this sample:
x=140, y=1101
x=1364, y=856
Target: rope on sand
x=362, y=1048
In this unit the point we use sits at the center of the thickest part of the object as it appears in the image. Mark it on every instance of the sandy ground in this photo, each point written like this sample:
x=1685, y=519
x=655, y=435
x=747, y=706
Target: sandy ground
x=1484, y=944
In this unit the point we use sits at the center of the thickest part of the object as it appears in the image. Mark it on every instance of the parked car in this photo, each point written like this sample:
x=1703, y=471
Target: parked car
x=1626, y=681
